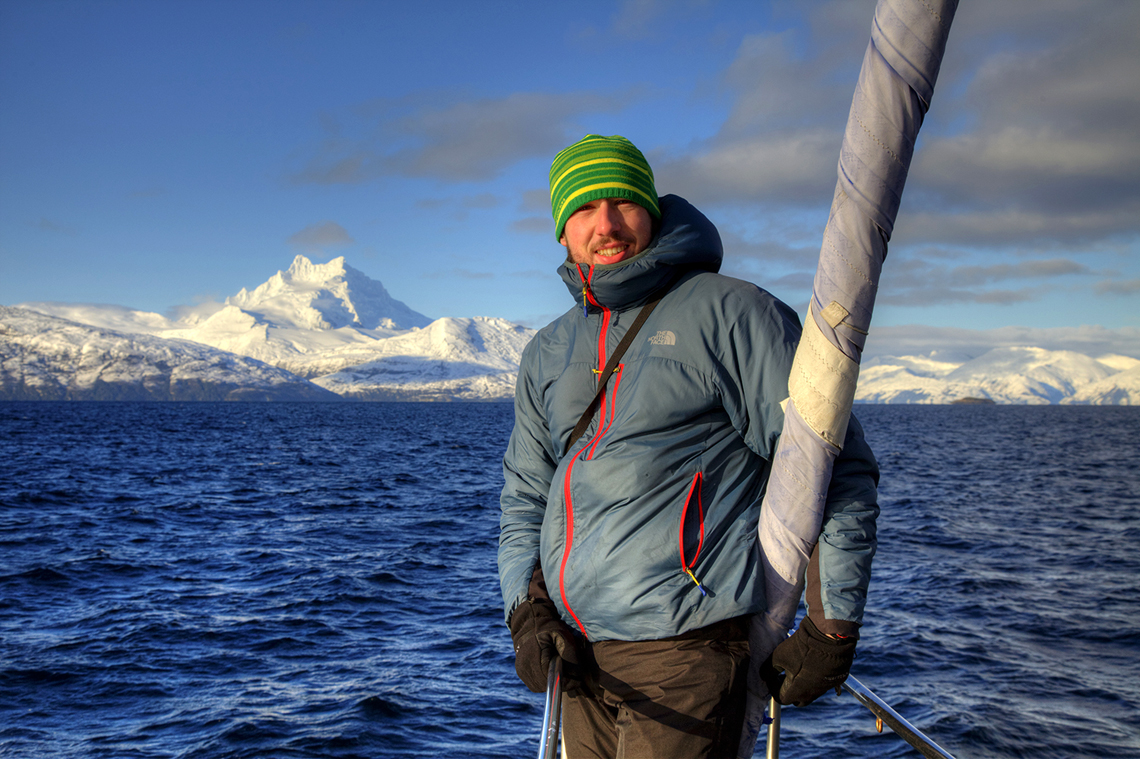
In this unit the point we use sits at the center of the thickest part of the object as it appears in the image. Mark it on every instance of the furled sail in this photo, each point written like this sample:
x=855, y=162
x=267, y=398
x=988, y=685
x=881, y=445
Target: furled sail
x=893, y=93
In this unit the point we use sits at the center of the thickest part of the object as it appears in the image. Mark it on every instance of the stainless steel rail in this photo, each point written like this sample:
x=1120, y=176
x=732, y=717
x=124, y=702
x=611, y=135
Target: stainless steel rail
x=552, y=712
x=885, y=715
x=772, y=749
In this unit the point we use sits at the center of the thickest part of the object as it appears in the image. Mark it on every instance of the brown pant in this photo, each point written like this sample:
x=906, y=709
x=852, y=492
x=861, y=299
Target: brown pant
x=677, y=698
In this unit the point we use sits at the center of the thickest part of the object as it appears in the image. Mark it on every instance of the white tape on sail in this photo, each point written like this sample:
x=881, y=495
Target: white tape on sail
x=822, y=383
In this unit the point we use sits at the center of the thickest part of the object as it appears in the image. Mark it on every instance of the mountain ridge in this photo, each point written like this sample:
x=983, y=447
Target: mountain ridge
x=333, y=326
x=1017, y=374
x=333, y=330
x=48, y=358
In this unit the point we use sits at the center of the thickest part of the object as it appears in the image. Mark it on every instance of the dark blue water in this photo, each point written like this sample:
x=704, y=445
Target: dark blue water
x=296, y=580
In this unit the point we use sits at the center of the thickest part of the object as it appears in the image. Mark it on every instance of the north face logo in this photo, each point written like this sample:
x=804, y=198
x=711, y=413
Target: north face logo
x=664, y=337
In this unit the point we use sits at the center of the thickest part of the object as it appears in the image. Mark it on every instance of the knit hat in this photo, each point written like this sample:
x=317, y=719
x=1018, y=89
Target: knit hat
x=598, y=167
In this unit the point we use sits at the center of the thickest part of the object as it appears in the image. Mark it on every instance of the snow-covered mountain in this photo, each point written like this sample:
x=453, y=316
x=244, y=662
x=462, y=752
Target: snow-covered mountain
x=1022, y=375
x=330, y=326
x=47, y=358
x=452, y=359
x=335, y=326
x=1121, y=389
x=311, y=296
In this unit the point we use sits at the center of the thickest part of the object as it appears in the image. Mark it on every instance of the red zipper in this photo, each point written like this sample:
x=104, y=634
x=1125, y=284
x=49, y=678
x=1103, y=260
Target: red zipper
x=603, y=425
x=687, y=566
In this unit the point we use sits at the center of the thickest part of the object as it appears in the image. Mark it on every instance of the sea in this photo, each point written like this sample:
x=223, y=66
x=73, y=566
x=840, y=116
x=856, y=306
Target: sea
x=234, y=580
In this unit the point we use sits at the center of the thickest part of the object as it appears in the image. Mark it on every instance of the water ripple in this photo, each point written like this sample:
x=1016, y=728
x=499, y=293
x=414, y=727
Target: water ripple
x=318, y=580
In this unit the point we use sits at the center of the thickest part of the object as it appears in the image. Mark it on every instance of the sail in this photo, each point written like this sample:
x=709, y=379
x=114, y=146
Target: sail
x=892, y=95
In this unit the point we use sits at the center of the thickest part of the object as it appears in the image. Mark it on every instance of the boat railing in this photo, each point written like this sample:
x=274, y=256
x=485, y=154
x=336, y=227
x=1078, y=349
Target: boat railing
x=552, y=711
x=884, y=715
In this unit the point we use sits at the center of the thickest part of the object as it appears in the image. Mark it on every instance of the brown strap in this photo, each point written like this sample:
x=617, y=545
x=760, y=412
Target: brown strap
x=611, y=365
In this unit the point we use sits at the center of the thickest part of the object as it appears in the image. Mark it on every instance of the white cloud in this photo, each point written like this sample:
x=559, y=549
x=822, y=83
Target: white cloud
x=203, y=308
x=1010, y=228
x=796, y=167
x=1042, y=132
x=1034, y=133
x=1120, y=287
x=920, y=280
x=919, y=340
x=450, y=137
x=1028, y=167
x=530, y=225
x=320, y=236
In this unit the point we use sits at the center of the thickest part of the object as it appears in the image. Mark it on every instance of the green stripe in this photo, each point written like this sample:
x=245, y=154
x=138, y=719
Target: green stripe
x=606, y=186
x=604, y=160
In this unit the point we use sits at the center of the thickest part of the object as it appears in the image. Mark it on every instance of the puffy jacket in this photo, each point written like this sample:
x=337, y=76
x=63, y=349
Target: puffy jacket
x=646, y=528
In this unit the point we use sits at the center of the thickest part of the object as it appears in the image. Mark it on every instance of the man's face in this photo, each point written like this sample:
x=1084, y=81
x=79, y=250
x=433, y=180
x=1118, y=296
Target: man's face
x=607, y=231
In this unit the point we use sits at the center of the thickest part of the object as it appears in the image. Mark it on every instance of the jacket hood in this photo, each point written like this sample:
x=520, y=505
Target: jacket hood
x=686, y=240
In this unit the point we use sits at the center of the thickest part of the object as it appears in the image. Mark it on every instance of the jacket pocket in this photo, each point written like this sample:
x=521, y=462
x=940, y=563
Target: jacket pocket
x=692, y=531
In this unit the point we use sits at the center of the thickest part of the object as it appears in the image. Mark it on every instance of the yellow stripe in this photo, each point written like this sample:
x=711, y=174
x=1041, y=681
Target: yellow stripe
x=595, y=162
x=599, y=186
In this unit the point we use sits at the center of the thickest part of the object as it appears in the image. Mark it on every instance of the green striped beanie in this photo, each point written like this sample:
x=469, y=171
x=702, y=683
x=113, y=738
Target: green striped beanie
x=599, y=167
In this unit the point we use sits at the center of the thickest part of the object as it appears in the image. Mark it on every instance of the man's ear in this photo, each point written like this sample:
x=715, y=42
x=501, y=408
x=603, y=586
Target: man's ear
x=562, y=240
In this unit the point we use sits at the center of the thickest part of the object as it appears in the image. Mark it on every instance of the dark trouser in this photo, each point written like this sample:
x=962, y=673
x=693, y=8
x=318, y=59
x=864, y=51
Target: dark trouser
x=677, y=698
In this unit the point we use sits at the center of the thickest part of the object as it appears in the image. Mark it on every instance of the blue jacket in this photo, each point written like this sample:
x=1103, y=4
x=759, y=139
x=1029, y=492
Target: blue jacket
x=646, y=528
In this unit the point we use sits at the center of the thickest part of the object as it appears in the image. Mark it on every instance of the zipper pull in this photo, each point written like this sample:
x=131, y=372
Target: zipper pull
x=693, y=577
x=585, y=289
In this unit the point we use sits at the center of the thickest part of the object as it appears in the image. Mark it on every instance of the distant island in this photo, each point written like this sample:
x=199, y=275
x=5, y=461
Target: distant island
x=973, y=401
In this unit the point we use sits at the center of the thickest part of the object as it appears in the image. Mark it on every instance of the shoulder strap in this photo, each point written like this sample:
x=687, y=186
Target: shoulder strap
x=611, y=365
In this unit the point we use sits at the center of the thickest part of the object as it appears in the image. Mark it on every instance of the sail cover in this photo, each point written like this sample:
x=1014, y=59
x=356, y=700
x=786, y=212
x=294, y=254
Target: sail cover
x=893, y=93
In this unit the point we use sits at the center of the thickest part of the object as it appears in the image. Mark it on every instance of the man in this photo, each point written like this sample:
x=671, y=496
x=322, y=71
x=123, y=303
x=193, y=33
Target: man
x=632, y=553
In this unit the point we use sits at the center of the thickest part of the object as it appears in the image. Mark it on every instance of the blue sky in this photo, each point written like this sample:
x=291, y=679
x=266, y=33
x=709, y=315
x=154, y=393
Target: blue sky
x=166, y=154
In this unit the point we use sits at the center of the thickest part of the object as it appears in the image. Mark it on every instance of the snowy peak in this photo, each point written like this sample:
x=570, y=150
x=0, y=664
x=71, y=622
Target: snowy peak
x=304, y=270
x=316, y=325
x=324, y=297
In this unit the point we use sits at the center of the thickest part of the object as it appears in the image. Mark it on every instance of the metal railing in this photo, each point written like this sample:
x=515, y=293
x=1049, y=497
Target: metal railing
x=552, y=711
x=884, y=715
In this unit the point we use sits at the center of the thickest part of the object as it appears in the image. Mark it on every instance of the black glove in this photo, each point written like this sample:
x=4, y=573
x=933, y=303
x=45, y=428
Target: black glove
x=539, y=634
x=812, y=664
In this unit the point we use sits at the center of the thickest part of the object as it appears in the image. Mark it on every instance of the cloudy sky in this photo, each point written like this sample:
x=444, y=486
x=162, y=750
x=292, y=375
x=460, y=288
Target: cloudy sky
x=165, y=154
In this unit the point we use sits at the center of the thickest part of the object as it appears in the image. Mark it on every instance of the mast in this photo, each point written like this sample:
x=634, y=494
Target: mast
x=893, y=93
